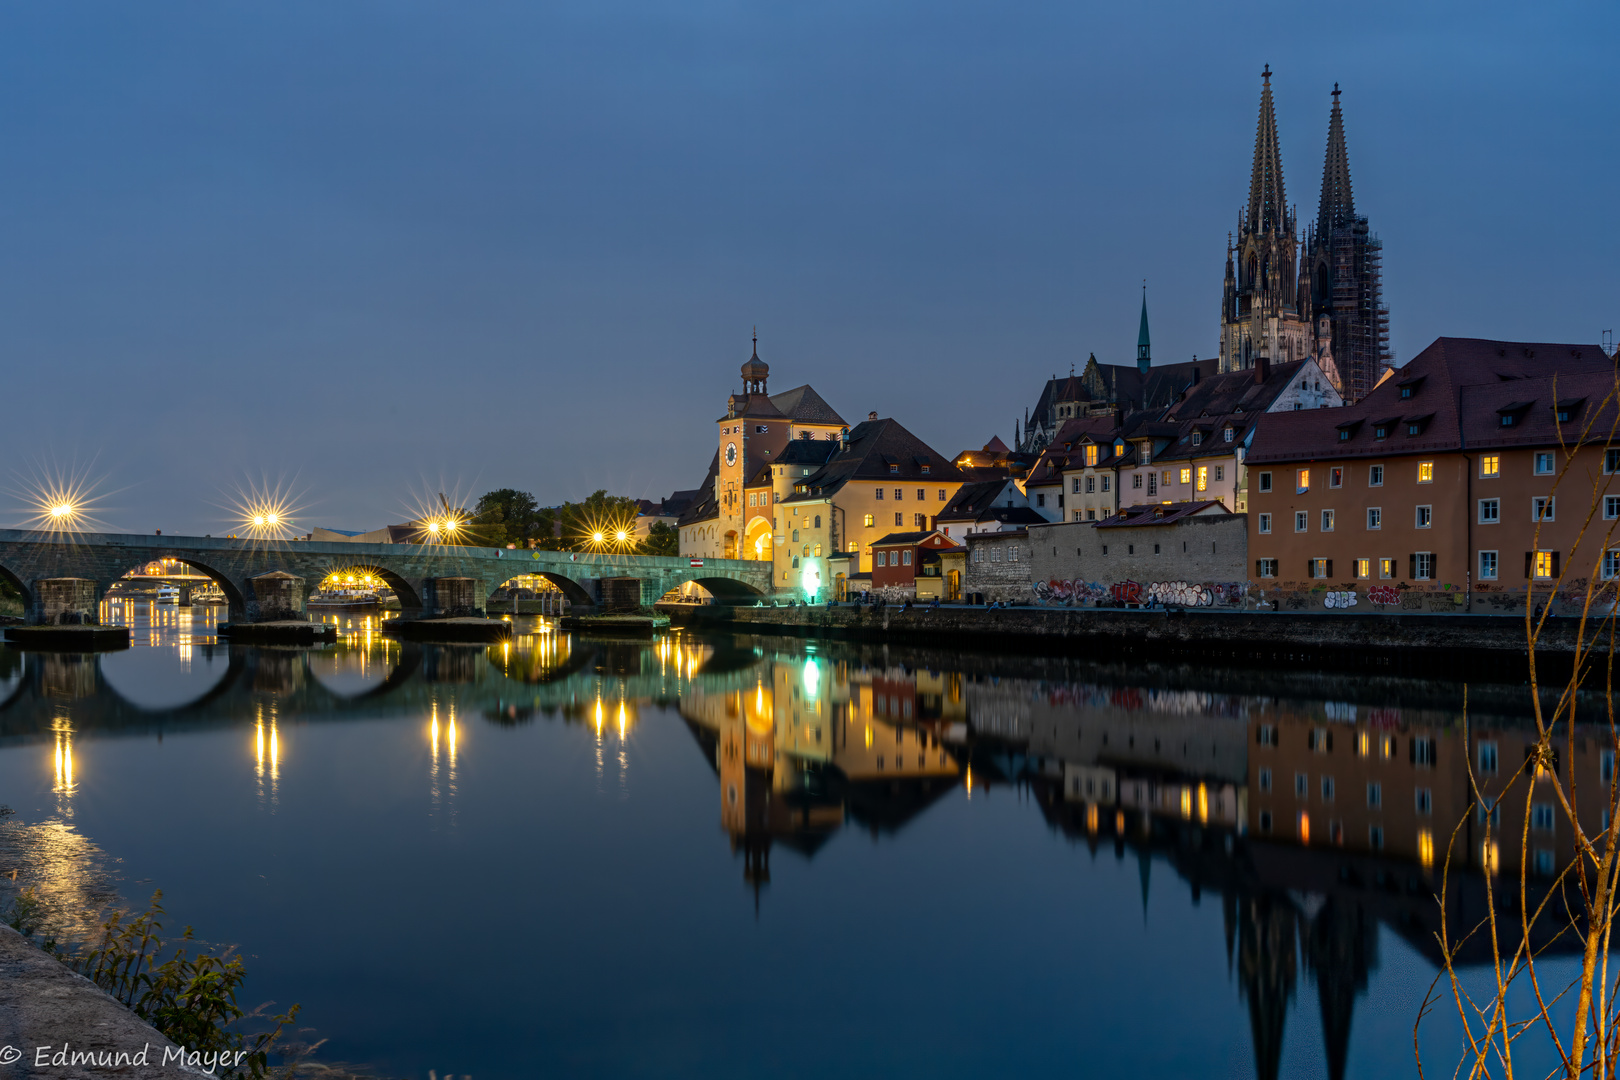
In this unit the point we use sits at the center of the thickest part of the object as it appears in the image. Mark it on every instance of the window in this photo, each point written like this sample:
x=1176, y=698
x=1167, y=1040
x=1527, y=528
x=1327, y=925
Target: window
x=1092, y=452
x=1266, y=568
x=1490, y=466
x=1186, y=476
x=1198, y=438
x=1327, y=789
x=1302, y=785
x=1153, y=483
x=1606, y=766
x=1375, y=517
x=1265, y=821
x=1611, y=564
x=1545, y=862
x=926, y=469
x=1386, y=568
x=1544, y=464
x=1265, y=523
x=883, y=558
x=1166, y=479
x=1091, y=485
x=1489, y=810
x=1105, y=482
x=899, y=519
x=1507, y=419
x=1077, y=516
x=1336, y=477
x=870, y=520
x=1487, y=758
x=1136, y=481
x=1423, y=752
x=899, y=494
x=919, y=521
x=905, y=557
x=1487, y=566
x=1375, y=795
x=894, y=468
x=1302, y=482
x=1220, y=473
x=1541, y=816
x=1265, y=481
x=1541, y=508
x=878, y=493
x=1611, y=461
x=1363, y=568
x=1425, y=472
x=1091, y=515
x=1611, y=506
x=1490, y=511
x=1203, y=478
x=1381, y=431
x=1375, y=476
x=1074, y=485
x=1229, y=434
x=1423, y=566
x=1327, y=521
x=1321, y=568
x=1040, y=500
x=921, y=494
x=941, y=494
x=1542, y=564
x=1424, y=517
x=1423, y=800
x=1266, y=735
x=1302, y=521
x=1265, y=779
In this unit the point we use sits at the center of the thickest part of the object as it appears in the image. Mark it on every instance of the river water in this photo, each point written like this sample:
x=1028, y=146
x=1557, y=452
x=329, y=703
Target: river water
x=743, y=856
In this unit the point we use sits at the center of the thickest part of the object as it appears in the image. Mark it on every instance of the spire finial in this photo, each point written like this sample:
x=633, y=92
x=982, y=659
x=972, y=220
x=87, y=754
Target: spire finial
x=1335, y=91
x=1266, y=74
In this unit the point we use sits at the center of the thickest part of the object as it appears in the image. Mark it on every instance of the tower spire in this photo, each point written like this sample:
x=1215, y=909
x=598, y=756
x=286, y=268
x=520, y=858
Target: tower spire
x=1144, y=352
x=1337, y=205
x=1267, y=203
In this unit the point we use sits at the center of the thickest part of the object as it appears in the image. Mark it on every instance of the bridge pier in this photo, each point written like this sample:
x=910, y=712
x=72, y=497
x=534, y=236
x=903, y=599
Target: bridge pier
x=276, y=597
x=454, y=597
x=71, y=601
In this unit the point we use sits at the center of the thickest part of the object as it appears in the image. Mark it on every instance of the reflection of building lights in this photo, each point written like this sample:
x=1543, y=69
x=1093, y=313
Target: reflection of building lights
x=1425, y=847
x=967, y=779
x=812, y=678
x=1304, y=827
x=1186, y=802
x=1119, y=822
x=64, y=763
x=1091, y=817
x=1203, y=804
x=1490, y=856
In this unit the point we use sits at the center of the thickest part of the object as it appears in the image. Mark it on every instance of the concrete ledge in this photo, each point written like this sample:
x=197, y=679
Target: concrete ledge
x=69, y=638
x=287, y=632
x=42, y=1003
x=619, y=625
x=448, y=630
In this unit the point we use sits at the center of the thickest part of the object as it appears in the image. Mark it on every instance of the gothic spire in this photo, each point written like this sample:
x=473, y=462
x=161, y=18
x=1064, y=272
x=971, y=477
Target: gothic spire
x=1144, y=351
x=1267, y=204
x=1337, y=204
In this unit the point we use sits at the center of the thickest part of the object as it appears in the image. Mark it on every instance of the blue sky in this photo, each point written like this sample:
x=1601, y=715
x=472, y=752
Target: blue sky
x=377, y=248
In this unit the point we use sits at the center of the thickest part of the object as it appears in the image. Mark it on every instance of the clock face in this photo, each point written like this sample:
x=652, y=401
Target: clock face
x=731, y=453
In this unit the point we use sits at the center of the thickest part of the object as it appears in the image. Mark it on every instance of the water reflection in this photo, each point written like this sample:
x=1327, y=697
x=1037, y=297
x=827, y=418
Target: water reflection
x=1312, y=811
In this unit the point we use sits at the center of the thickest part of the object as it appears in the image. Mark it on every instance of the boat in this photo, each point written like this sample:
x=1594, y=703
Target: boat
x=213, y=597
x=343, y=598
x=168, y=594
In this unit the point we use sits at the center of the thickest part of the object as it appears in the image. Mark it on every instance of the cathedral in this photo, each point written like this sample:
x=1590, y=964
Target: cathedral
x=1324, y=299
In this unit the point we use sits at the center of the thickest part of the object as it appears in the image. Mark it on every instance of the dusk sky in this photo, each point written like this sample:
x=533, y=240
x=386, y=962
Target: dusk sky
x=377, y=249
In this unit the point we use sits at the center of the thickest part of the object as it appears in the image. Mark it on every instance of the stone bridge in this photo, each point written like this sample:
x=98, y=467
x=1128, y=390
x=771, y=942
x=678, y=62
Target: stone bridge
x=63, y=577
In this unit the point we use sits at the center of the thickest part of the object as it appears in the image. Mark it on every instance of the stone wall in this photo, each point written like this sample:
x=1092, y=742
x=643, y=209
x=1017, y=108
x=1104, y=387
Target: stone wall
x=1195, y=562
x=998, y=566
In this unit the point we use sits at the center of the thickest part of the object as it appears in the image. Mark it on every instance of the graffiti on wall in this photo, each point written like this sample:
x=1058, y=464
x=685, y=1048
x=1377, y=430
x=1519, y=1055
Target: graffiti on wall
x=1076, y=591
x=1178, y=593
x=1181, y=593
x=1384, y=595
x=1339, y=599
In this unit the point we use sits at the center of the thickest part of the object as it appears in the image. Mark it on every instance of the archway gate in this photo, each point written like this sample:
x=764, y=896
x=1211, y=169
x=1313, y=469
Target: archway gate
x=266, y=579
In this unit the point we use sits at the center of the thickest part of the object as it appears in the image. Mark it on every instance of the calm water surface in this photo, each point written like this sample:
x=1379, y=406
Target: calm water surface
x=738, y=856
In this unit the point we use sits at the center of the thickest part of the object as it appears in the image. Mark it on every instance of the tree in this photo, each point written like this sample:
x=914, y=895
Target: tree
x=505, y=516
x=662, y=539
x=599, y=515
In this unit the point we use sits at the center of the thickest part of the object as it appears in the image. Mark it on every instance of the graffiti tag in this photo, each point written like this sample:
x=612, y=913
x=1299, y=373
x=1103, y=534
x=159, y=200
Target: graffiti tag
x=1179, y=592
x=1339, y=599
x=1384, y=594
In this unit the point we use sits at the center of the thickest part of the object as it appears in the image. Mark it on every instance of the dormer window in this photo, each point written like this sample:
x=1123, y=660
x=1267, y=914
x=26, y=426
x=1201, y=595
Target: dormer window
x=1416, y=424
x=1406, y=391
x=925, y=469
x=1197, y=438
x=1513, y=412
x=1409, y=387
x=894, y=468
x=1093, y=452
x=1507, y=419
x=1230, y=433
x=1119, y=448
x=1568, y=410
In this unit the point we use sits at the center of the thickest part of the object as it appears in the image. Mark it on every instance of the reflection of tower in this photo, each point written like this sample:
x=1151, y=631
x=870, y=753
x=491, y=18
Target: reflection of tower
x=1266, y=974
x=1341, y=945
x=63, y=786
x=747, y=760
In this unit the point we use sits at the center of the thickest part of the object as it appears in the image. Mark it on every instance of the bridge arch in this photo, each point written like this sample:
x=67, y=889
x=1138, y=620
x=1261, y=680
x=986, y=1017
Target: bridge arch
x=573, y=590
x=409, y=598
x=15, y=581
x=232, y=591
x=724, y=588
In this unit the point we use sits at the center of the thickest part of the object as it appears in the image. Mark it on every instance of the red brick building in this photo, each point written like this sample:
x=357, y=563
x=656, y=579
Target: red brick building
x=898, y=558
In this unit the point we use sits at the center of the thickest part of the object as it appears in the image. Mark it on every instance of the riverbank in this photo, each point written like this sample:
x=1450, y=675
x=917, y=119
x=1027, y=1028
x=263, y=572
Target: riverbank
x=1486, y=647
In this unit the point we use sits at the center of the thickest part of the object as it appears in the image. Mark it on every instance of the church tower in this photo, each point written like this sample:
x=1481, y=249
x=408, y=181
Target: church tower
x=1343, y=270
x=1261, y=312
x=1144, y=349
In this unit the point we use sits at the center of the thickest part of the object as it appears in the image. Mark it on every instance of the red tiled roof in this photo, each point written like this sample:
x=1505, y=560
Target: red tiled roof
x=1457, y=387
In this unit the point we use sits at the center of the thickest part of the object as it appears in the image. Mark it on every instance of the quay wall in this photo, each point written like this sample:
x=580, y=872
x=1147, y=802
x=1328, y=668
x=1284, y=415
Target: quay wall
x=1490, y=648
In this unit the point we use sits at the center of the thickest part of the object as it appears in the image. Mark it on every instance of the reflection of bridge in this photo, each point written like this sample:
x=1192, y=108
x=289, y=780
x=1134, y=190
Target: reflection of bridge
x=68, y=574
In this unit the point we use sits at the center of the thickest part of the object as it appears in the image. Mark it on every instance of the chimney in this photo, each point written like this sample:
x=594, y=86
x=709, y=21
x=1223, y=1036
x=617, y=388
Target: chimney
x=1195, y=376
x=871, y=416
x=1262, y=368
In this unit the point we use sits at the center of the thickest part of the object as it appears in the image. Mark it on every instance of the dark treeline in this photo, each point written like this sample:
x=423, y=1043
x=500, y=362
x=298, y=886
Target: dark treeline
x=507, y=516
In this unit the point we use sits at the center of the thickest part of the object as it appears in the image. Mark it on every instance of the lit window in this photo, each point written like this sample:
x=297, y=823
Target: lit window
x=1336, y=477
x=1490, y=511
x=1363, y=568
x=1203, y=478
x=1375, y=517
x=1186, y=476
x=1487, y=566
x=1424, y=517
x=1541, y=563
x=1321, y=568
x=1092, y=453
x=870, y=521
x=1303, y=481
x=1425, y=472
x=1490, y=465
x=1541, y=508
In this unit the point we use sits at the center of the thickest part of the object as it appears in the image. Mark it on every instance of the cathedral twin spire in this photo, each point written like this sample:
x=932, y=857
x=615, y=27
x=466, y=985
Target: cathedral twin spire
x=1267, y=204
x=1337, y=205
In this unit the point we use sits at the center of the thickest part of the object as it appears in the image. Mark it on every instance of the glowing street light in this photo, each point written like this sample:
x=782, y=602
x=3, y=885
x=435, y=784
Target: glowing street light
x=62, y=511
